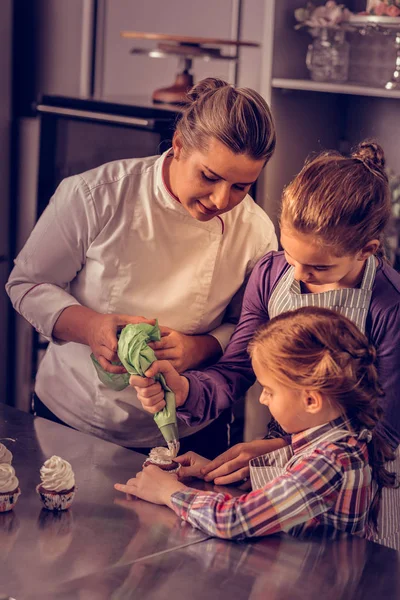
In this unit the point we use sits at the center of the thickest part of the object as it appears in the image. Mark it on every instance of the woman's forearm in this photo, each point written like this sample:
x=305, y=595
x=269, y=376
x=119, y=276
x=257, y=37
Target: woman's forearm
x=74, y=323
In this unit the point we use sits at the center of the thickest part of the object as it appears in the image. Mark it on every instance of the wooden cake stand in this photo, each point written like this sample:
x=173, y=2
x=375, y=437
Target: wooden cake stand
x=186, y=48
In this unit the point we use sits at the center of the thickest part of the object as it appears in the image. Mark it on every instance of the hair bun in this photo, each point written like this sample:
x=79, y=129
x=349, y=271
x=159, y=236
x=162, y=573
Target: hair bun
x=371, y=154
x=204, y=87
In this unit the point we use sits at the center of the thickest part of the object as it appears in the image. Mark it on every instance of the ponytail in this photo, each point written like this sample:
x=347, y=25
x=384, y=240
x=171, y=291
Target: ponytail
x=344, y=201
x=239, y=118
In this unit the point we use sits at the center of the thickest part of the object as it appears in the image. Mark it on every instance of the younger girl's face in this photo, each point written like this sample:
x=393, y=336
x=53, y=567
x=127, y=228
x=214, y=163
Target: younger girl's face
x=315, y=265
x=284, y=403
x=212, y=182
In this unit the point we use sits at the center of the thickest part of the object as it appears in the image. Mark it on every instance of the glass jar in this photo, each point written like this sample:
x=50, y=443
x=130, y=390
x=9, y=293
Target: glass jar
x=328, y=55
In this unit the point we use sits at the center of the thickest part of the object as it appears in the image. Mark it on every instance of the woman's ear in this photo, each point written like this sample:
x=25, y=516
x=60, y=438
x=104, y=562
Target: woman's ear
x=312, y=401
x=370, y=248
x=177, y=145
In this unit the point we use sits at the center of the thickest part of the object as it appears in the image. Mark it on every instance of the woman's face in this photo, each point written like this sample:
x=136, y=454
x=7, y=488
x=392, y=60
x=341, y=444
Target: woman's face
x=211, y=182
x=315, y=265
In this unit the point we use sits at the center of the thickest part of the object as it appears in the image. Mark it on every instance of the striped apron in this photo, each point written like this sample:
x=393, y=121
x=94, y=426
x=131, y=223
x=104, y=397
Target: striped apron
x=353, y=303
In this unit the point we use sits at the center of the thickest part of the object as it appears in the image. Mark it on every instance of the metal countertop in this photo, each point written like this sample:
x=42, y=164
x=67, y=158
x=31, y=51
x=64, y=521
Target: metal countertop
x=108, y=547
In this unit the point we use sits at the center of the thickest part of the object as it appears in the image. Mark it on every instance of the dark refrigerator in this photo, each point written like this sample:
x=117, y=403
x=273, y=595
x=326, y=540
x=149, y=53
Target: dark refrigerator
x=5, y=145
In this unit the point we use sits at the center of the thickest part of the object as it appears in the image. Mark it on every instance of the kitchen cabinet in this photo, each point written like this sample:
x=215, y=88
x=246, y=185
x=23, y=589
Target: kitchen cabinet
x=312, y=116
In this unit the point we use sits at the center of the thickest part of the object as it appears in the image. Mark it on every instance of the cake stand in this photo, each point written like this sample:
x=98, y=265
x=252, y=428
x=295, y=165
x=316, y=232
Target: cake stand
x=186, y=48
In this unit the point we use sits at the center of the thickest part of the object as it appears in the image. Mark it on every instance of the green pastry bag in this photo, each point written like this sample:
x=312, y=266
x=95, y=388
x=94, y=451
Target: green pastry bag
x=136, y=356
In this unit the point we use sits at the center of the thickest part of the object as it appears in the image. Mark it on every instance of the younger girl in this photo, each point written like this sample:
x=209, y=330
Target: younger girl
x=320, y=383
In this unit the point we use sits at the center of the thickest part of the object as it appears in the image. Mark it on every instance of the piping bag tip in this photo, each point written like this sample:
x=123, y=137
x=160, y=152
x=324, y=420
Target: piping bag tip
x=173, y=448
x=171, y=436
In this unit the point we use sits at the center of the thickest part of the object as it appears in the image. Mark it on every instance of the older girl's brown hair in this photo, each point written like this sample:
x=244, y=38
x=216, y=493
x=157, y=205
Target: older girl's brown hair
x=343, y=201
x=318, y=349
x=238, y=117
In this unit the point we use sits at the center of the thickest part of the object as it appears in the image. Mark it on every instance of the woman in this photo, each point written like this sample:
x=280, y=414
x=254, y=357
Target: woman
x=172, y=237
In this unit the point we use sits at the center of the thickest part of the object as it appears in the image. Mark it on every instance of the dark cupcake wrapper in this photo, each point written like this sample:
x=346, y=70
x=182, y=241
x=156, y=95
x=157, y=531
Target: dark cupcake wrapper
x=53, y=500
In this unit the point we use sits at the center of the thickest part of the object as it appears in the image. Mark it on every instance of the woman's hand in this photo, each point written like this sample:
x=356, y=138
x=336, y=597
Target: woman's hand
x=99, y=331
x=152, y=484
x=191, y=465
x=102, y=337
x=150, y=392
x=185, y=351
x=233, y=465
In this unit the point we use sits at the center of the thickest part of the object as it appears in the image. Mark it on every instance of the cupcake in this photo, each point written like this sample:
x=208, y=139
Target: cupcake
x=161, y=457
x=5, y=455
x=57, y=489
x=9, y=487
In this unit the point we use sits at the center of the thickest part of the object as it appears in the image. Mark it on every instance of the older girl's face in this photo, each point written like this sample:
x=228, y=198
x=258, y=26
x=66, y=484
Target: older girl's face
x=212, y=182
x=317, y=266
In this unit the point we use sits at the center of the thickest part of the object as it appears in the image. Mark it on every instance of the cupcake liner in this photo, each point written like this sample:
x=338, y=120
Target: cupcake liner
x=8, y=500
x=171, y=470
x=166, y=467
x=56, y=500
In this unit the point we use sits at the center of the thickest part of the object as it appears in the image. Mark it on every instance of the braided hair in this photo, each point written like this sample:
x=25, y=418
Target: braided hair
x=318, y=349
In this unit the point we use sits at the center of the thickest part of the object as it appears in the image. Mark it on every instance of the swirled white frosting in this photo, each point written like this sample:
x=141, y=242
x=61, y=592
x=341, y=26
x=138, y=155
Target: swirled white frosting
x=8, y=481
x=57, y=475
x=160, y=456
x=5, y=455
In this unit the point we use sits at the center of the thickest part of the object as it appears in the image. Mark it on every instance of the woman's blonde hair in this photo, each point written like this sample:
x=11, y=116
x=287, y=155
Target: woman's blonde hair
x=318, y=349
x=237, y=117
x=343, y=201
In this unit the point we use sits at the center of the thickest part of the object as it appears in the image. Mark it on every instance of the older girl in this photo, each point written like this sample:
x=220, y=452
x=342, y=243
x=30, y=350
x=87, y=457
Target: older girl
x=320, y=383
x=173, y=237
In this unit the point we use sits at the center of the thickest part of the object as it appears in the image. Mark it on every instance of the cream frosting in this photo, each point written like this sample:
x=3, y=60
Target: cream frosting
x=5, y=455
x=160, y=456
x=57, y=475
x=8, y=481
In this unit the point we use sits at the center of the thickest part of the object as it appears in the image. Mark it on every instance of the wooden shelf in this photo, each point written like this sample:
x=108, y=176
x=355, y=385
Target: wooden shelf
x=334, y=88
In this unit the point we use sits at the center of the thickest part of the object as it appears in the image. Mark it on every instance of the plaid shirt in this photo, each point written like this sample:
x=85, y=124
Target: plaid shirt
x=325, y=486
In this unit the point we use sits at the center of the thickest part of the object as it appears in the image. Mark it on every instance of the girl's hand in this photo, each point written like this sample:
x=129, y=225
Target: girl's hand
x=233, y=465
x=185, y=351
x=150, y=392
x=191, y=465
x=101, y=336
x=152, y=484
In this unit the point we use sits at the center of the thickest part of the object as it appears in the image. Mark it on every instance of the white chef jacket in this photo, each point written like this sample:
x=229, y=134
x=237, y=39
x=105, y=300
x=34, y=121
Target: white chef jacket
x=114, y=239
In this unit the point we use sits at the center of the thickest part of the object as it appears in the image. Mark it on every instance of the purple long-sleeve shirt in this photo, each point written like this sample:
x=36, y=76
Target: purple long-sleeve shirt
x=217, y=388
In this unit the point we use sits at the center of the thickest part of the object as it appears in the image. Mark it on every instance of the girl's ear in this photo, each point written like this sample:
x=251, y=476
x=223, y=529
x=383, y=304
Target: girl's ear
x=370, y=248
x=312, y=401
x=177, y=145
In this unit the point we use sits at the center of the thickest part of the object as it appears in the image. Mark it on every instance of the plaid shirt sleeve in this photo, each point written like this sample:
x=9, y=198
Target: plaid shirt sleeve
x=309, y=489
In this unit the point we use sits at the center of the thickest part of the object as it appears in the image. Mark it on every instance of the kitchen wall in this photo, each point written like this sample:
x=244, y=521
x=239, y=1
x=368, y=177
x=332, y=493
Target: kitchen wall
x=122, y=73
x=61, y=30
